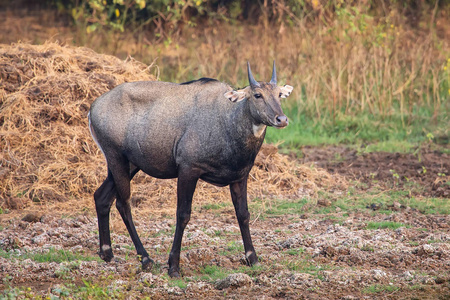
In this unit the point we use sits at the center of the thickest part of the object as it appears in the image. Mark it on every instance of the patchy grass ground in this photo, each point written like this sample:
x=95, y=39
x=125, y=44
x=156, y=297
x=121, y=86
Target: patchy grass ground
x=349, y=247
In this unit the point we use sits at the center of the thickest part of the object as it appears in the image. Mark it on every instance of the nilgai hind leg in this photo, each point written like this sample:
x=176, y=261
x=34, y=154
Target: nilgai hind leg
x=117, y=185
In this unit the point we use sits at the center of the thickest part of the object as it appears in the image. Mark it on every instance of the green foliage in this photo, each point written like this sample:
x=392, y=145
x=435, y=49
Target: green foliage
x=353, y=19
x=117, y=14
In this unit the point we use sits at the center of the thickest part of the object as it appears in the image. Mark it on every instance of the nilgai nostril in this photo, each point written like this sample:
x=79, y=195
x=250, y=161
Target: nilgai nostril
x=201, y=129
x=282, y=121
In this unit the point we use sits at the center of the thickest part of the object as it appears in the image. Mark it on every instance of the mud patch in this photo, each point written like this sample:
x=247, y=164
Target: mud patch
x=428, y=169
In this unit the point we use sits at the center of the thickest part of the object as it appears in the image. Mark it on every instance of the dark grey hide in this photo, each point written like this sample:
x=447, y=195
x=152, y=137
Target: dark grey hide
x=198, y=130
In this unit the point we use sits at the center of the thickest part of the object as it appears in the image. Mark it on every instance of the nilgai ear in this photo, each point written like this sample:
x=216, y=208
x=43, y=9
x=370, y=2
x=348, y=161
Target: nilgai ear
x=235, y=96
x=286, y=90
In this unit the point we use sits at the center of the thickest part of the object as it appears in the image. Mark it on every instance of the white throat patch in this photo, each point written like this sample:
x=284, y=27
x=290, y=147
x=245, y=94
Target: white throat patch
x=258, y=129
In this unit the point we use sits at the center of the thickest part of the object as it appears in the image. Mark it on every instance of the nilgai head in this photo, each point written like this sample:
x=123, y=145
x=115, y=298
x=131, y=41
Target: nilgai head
x=264, y=99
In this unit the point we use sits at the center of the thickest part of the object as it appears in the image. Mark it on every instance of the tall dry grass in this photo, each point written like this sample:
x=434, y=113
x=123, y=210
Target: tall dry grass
x=341, y=58
x=366, y=65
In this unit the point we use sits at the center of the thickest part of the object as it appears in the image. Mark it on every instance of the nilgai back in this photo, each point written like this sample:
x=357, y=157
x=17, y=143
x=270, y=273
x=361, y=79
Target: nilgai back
x=202, y=129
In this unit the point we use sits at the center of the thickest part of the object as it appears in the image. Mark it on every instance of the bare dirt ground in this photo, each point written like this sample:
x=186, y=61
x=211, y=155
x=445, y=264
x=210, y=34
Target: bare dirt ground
x=427, y=167
x=302, y=255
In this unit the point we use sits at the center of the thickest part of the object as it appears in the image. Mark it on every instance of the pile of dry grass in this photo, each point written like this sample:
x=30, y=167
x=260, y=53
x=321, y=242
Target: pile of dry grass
x=48, y=156
x=47, y=153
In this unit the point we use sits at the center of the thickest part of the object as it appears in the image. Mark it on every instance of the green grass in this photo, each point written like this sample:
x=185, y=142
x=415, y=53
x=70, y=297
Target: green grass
x=179, y=282
x=385, y=225
x=376, y=133
x=431, y=205
x=295, y=252
x=216, y=206
x=212, y=273
x=354, y=200
x=277, y=207
x=380, y=288
x=52, y=255
x=232, y=248
x=304, y=264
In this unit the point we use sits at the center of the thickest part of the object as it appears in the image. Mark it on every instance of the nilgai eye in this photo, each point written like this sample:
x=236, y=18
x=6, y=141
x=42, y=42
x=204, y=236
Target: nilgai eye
x=258, y=95
x=280, y=95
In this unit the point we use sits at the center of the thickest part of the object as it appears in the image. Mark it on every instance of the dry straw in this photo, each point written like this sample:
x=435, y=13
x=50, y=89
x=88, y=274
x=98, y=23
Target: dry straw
x=48, y=158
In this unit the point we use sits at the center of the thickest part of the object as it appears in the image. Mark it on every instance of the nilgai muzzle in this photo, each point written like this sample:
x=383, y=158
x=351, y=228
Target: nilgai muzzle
x=203, y=129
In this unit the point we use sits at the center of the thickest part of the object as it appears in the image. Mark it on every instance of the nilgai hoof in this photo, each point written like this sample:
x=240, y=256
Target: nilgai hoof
x=250, y=259
x=106, y=254
x=147, y=263
x=174, y=273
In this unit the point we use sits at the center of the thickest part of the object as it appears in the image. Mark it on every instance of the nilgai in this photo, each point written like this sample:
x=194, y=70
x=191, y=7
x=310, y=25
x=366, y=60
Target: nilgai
x=202, y=129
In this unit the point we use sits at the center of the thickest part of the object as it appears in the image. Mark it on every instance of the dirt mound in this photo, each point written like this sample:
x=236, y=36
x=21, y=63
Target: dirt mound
x=47, y=153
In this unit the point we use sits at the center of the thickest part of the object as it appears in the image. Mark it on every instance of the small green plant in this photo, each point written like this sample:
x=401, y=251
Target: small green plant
x=395, y=174
x=424, y=170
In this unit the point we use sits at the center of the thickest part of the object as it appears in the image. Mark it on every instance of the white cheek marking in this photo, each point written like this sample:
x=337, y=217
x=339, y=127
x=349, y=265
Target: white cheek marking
x=106, y=247
x=258, y=129
x=247, y=255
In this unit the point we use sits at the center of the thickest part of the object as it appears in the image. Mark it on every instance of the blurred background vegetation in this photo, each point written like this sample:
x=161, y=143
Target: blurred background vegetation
x=372, y=74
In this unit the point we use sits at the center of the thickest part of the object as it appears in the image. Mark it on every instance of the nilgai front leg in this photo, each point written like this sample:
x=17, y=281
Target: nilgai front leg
x=185, y=191
x=239, y=196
